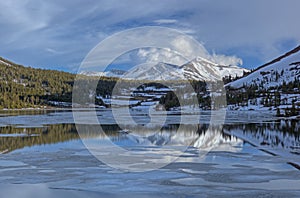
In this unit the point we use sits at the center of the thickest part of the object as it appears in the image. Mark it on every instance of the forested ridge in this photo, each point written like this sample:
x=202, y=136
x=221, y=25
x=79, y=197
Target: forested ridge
x=23, y=87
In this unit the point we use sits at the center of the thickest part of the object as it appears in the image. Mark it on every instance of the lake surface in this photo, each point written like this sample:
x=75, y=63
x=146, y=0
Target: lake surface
x=250, y=154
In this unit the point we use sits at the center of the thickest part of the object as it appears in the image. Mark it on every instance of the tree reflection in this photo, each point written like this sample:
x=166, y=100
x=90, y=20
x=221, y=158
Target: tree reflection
x=15, y=138
x=283, y=134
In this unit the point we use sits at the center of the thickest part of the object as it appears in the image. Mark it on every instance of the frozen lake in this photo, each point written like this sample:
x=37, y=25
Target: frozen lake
x=251, y=154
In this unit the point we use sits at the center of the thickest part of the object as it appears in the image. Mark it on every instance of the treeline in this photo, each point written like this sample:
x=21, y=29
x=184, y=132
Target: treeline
x=26, y=87
x=23, y=87
x=228, y=79
x=256, y=94
x=208, y=96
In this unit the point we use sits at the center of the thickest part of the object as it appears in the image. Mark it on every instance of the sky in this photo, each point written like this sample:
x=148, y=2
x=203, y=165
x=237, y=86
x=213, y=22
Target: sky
x=55, y=34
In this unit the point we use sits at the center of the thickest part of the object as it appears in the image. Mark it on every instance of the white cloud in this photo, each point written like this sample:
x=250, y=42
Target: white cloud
x=189, y=46
x=53, y=51
x=165, y=21
x=192, y=50
x=226, y=60
x=155, y=55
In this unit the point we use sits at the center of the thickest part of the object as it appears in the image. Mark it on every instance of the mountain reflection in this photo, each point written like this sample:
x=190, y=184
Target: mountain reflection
x=284, y=134
x=281, y=135
x=203, y=137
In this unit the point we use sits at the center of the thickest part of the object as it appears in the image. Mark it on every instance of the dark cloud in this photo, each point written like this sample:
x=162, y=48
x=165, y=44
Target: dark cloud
x=56, y=33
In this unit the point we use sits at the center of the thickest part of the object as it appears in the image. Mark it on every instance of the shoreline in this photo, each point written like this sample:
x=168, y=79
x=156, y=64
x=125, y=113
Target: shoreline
x=48, y=108
x=37, y=109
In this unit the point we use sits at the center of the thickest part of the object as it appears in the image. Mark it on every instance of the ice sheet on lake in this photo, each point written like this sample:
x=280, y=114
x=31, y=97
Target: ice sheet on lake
x=247, y=173
x=106, y=117
x=69, y=168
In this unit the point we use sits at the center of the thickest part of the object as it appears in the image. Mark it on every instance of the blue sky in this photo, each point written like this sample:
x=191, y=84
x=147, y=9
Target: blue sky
x=57, y=34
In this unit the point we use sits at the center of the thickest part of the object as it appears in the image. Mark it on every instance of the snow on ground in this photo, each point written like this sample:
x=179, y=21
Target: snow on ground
x=5, y=63
x=150, y=103
x=256, y=104
x=120, y=102
x=232, y=71
x=288, y=65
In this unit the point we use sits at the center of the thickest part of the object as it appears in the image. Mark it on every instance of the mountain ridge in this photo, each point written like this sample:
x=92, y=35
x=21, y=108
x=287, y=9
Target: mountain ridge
x=198, y=68
x=26, y=87
x=295, y=50
x=281, y=70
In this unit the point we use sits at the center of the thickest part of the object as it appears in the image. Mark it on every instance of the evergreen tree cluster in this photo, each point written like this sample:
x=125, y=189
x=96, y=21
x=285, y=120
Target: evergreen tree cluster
x=23, y=87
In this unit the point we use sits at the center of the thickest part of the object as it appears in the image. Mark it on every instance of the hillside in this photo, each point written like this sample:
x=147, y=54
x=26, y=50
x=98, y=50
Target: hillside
x=23, y=87
x=273, y=86
x=282, y=70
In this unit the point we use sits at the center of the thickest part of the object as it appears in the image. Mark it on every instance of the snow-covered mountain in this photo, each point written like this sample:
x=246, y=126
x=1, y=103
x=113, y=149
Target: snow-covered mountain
x=115, y=73
x=196, y=69
x=201, y=69
x=285, y=68
x=160, y=71
x=92, y=73
x=205, y=70
x=111, y=73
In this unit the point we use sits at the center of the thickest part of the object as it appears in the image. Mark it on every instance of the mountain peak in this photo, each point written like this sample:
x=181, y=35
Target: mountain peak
x=203, y=60
x=197, y=69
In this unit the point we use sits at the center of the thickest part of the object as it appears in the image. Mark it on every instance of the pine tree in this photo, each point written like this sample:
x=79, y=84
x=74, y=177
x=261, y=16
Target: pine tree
x=278, y=112
x=293, y=110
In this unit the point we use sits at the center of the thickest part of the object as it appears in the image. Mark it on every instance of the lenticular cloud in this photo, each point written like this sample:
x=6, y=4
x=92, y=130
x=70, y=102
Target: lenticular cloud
x=173, y=57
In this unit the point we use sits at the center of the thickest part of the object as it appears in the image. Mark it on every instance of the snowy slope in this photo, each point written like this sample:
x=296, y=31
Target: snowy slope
x=205, y=70
x=201, y=69
x=284, y=68
x=160, y=71
x=231, y=70
x=115, y=73
x=4, y=62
